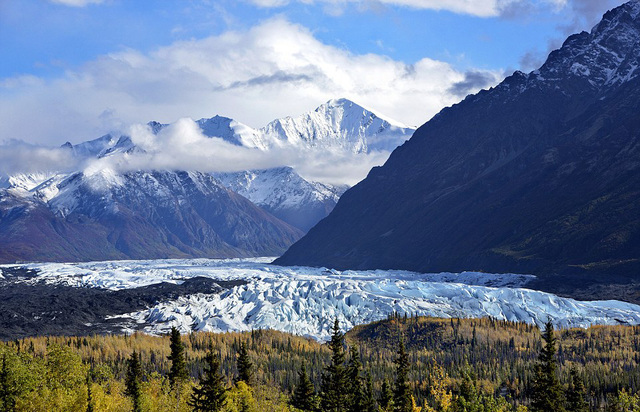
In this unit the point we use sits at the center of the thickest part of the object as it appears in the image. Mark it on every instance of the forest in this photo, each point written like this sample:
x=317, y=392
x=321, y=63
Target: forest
x=399, y=364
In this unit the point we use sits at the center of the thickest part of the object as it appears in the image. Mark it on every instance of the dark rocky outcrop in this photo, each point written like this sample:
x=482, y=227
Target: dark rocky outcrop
x=142, y=215
x=540, y=174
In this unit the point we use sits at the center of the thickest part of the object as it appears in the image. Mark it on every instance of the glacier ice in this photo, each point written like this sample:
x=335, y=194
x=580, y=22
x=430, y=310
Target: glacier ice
x=305, y=300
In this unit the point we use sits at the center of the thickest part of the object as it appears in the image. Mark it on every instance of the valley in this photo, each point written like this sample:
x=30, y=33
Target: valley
x=235, y=295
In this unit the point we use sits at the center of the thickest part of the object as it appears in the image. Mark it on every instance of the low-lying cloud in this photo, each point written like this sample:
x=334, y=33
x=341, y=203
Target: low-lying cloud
x=20, y=157
x=182, y=146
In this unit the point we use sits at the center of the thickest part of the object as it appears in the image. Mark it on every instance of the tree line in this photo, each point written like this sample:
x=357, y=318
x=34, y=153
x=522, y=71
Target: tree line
x=196, y=372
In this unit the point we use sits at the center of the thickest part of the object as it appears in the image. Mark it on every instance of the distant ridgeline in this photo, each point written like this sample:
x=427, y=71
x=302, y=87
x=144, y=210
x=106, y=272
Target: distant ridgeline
x=102, y=214
x=537, y=175
x=399, y=364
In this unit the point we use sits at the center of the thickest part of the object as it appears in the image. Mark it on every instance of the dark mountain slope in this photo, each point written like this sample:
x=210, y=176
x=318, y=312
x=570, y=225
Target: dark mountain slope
x=139, y=215
x=540, y=175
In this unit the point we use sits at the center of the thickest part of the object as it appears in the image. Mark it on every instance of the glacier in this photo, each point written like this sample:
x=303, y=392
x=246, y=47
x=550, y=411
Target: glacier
x=306, y=300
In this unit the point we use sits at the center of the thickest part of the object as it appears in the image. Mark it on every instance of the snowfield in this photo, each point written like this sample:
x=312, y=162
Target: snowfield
x=305, y=300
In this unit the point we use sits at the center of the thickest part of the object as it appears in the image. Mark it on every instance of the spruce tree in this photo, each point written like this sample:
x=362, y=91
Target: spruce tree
x=576, y=394
x=245, y=367
x=333, y=397
x=7, y=393
x=354, y=381
x=211, y=395
x=304, y=394
x=402, y=401
x=547, y=392
x=386, y=396
x=133, y=381
x=178, y=372
x=369, y=403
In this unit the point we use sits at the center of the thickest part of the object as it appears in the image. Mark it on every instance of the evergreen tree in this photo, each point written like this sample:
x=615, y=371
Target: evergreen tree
x=89, y=396
x=178, y=372
x=333, y=397
x=402, y=401
x=386, y=396
x=304, y=394
x=576, y=394
x=468, y=400
x=547, y=392
x=133, y=381
x=245, y=367
x=369, y=403
x=211, y=395
x=7, y=394
x=354, y=381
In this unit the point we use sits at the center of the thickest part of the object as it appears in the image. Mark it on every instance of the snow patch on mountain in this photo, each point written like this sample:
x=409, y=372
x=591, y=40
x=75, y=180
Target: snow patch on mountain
x=305, y=300
x=279, y=188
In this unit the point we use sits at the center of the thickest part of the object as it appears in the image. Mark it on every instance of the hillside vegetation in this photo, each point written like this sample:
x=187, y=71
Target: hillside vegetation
x=449, y=362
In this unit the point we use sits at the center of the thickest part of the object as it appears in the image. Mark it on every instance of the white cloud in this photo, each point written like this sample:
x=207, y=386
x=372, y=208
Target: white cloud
x=273, y=70
x=76, y=3
x=480, y=8
x=20, y=157
x=483, y=8
x=182, y=146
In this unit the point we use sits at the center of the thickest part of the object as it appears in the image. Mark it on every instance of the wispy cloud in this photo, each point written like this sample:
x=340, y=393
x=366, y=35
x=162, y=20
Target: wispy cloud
x=482, y=8
x=76, y=3
x=20, y=157
x=473, y=80
x=272, y=70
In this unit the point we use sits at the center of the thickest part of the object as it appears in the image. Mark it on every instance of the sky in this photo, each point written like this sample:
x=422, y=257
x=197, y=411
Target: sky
x=73, y=70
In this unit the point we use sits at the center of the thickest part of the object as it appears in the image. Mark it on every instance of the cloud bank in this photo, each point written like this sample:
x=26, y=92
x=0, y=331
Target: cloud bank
x=273, y=70
x=20, y=157
x=183, y=146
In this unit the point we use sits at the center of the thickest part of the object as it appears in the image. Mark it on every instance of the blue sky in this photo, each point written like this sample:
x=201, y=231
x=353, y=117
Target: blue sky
x=86, y=67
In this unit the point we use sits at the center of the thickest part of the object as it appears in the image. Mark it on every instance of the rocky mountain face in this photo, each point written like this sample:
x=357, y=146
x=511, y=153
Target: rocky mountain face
x=339, y=125
x=285, y=194
x=133, y=216
x=540, y=174
x=104, y=214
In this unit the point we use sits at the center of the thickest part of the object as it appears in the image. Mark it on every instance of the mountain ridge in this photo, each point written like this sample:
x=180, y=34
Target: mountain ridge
x=100, y=213
x=535, y=175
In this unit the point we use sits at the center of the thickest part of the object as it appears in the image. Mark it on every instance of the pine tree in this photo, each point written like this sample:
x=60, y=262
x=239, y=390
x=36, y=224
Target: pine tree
x=133, y=381
x=178, y=372
x=576, y=394
x=211, y=395
x=402, y=392
x=304, y=394
x=245, y=367
x=386, y=396
x=7, y=394
x=547, y=392
x=333, y=397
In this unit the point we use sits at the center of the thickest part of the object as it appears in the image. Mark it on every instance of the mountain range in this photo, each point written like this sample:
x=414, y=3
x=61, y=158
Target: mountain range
x=102, y=213
x=539, y=175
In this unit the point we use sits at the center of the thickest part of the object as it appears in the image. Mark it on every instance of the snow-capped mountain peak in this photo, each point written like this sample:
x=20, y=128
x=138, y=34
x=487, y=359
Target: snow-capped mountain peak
x=285, y=194
x=607, y=56
x=232, y=131
x=339, y=124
